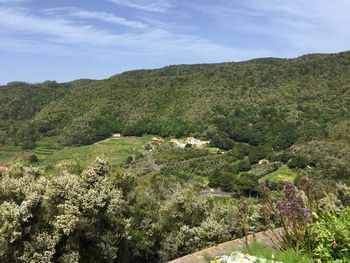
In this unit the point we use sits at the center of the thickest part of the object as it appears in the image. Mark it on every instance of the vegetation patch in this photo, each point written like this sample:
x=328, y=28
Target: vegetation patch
x=283, y=174
x=8, y=153
x=115, y=150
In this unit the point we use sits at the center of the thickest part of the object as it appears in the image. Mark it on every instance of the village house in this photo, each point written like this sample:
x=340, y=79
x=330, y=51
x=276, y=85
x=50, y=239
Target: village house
x=117, y=135
x=157, y=140
x=264, y=161
x=196, y=142
x=192, y=141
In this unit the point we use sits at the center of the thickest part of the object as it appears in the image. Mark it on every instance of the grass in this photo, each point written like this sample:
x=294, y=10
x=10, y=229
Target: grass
x=9, y=152
x=282, y=174
x=288, y=256
x=46, y=147
x=115, y=150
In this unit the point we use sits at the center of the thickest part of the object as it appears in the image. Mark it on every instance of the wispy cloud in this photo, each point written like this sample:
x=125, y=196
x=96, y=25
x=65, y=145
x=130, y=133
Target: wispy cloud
x=24, y=32
x=101, y=16
x=310, y=25
x=145, y=5
x=302, y=26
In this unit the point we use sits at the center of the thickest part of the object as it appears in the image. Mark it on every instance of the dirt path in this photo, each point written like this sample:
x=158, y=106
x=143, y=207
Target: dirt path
x=19, y=156
x=150, y=158
x=155, y=168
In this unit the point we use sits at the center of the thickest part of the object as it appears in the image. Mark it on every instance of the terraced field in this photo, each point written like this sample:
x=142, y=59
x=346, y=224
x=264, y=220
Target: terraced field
x=8, y=153
x=282, y=174
x=115, y=150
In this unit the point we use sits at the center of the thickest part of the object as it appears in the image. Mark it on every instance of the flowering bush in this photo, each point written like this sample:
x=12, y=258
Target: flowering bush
x=291, y=212
x=239, y=257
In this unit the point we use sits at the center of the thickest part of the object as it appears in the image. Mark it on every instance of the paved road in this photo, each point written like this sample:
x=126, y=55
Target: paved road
x=216, y=192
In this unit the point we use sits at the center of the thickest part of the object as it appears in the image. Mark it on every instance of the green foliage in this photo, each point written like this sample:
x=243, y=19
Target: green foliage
x=283, y=174
x=116, y=151
x=287, y=256
x=28, y=145
x=245, y=184
x=173, y=220
x=328, y=238
x=240, y=166
x=259, y=152
x=33, y=158
x=298, y=162
x=7, y=152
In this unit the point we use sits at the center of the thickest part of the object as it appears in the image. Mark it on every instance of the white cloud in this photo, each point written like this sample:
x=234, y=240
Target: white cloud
x=102, y=16
x=145, y=5
x=22, y=31
x=302, y=26
x=313, y=26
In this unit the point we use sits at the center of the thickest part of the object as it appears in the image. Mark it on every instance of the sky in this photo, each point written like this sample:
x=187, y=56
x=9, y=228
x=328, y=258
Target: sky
x=65, y=40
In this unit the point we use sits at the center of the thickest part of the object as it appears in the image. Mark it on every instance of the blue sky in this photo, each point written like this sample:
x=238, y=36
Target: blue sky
x=65, y=40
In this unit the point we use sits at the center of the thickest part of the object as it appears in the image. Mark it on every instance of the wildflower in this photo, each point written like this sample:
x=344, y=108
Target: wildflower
x=307, y=215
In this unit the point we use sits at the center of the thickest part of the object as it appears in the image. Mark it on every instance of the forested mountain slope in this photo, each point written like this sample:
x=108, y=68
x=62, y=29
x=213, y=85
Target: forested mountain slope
x=259, y=101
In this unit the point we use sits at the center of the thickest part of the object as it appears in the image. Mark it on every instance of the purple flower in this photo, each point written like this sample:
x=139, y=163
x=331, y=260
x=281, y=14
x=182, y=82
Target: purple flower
x=289, y=190
x=307, y=215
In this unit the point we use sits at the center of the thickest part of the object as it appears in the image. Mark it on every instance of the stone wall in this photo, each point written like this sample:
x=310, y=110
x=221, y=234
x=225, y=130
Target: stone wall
x=267, y=238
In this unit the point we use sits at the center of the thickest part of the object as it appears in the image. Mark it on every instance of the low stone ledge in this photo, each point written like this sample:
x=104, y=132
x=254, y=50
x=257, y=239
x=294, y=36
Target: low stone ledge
x=267, y=238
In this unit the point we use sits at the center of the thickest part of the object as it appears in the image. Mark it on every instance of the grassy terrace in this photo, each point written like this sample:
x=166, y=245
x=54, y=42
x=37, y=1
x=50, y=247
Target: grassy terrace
x=282, y=174
x=115, y=150
x=8, y=153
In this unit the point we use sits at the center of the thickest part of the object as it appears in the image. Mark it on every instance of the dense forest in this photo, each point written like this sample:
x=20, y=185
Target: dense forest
x=262, y=101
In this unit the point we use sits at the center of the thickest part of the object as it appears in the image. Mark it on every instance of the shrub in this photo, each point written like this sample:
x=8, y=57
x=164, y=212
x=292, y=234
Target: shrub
x=328, y=239
x=33, y=158
x=246, y=185
x=28, y=145
x=298, y=162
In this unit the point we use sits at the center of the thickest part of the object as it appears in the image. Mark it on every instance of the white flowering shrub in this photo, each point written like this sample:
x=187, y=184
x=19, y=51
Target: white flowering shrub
x=239, y=257
x=63, y=218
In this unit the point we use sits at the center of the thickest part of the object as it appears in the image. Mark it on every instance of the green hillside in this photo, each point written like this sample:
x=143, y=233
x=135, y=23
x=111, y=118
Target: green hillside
x=308, y=92
x=74, y=193
x=263, y=108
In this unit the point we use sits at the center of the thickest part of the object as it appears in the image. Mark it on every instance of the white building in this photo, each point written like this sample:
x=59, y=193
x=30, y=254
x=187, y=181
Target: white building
x=192, y=141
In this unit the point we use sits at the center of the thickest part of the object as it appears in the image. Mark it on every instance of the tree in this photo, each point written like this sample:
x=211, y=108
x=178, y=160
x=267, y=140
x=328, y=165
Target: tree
x=298, y=161
x=33, y=158
x=259, y=152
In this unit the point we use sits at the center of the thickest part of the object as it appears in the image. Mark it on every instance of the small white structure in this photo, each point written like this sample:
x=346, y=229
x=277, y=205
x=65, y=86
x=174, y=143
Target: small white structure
x=117, y=135
x=196, y=142
x=189, y=140
x=264, y=161
x=192, y=141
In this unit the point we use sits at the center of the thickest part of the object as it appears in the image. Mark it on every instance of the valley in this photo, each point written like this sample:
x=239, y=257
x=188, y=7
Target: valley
x=152, y=165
